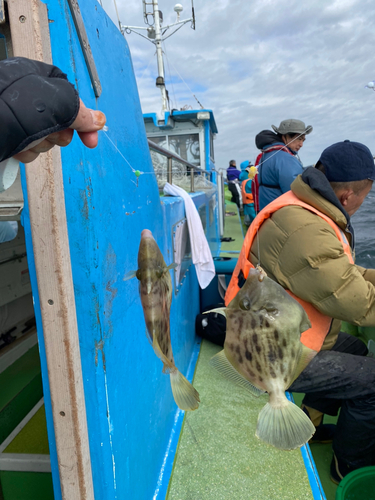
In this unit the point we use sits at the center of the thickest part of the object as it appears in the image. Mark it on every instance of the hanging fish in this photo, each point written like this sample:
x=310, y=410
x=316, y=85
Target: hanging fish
x=155, y=290
x=263, y=353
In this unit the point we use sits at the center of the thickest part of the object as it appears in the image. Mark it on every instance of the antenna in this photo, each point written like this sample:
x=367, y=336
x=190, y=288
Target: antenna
x=153, y=17
x=178, y=8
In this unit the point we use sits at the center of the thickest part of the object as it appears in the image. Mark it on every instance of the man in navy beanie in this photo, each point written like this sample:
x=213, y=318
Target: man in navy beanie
x=306, y=244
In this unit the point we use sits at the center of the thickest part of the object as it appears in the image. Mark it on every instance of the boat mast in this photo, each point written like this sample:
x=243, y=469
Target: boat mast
x=160, y=81
x=155, y=34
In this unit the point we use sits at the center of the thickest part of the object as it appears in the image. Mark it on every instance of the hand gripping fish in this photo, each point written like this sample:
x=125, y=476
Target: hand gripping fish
x=155, y=289
x=263, y=352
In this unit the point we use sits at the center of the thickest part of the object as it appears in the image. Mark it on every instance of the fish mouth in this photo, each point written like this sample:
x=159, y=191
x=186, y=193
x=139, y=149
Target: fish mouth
x=146, y=233
x=258, y=272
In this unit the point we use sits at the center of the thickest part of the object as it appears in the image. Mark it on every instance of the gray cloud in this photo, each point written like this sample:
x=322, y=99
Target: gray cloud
x=255, y=64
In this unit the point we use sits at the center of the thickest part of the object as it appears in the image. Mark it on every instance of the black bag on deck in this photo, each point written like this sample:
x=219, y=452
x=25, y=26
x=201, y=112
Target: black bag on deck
x=211, y=326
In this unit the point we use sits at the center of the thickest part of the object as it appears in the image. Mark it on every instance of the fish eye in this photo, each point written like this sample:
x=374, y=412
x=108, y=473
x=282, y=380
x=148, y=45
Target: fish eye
x=245, y=304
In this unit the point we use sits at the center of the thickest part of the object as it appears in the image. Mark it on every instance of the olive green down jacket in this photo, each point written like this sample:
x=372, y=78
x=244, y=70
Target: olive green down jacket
x=300, y=251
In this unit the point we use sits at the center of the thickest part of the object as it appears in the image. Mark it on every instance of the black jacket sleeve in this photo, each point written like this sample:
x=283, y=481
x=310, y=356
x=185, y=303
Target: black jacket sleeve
x=36, y=100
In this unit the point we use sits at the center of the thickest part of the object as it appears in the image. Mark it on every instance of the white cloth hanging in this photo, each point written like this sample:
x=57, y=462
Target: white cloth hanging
x=200, y=250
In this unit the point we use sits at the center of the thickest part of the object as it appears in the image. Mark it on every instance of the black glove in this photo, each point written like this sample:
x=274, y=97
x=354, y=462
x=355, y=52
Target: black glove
x=36, y=100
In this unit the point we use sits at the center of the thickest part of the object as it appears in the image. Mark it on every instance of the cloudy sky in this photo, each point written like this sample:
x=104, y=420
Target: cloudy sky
x=259, y=62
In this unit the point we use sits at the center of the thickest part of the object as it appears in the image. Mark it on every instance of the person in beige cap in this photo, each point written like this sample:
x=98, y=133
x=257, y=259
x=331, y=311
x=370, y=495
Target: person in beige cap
x=278, y=163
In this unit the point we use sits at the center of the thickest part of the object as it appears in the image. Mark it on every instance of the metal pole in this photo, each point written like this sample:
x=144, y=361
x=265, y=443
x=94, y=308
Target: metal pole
x=160, y=82
x=169, y=173
x=192, y=180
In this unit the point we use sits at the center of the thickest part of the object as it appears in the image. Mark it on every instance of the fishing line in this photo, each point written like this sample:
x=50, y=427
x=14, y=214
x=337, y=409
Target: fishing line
x=187, y=86
x=262, y=163
x=286, y=145
x=170, y=75
x=137, y=173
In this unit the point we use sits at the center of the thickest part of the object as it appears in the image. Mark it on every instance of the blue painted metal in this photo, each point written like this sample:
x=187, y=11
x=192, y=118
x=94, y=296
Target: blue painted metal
x=133, y=422
x=312, y=473
x=180, y=116
x=130, y=409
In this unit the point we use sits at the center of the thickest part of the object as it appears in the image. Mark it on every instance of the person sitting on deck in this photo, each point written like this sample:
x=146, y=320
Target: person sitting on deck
x=278, y=163
x=305, y=242
x=247, y=197
x=234, y=184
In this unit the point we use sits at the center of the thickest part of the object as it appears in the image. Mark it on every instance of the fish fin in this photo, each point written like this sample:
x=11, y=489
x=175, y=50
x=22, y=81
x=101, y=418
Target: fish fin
x=221, y=363
x=148, y=335
x=172, y=266
x=219, y=310
x=130, y=275
x=159, y=353
x=307, y=355
x=286, y=427
x=185, y=396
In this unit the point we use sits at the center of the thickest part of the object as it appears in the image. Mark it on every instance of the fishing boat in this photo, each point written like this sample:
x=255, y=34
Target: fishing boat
x=87, y=412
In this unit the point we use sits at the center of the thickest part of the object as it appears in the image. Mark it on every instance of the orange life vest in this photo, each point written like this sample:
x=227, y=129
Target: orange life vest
x=314, y=336
x=247, y=198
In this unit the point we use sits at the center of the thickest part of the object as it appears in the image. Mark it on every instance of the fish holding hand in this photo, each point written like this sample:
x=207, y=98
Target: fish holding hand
x=155, y=289
x=263, y=353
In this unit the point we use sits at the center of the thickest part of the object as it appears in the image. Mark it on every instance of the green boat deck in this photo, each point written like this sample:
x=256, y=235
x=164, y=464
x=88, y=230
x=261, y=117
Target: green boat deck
x=20, y=481
x=219, y=457
x=21, y=389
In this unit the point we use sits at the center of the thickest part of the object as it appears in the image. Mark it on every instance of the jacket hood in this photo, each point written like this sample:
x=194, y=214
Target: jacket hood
x=244, y=165
x=266, y=138
x=313, y=188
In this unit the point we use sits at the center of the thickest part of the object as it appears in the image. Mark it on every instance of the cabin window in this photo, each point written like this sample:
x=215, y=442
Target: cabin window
x=186, y=146
x=212, y=155
x=160, y=141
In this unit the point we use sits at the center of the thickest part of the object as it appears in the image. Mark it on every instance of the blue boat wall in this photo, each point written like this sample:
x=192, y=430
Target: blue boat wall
x=131, y=413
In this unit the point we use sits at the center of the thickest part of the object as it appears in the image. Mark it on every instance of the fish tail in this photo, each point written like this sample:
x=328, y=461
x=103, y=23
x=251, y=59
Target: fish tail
x=286, y=427
x=186, y=397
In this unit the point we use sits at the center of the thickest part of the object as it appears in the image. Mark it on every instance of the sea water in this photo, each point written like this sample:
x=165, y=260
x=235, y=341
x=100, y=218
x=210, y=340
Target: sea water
x=363, y=222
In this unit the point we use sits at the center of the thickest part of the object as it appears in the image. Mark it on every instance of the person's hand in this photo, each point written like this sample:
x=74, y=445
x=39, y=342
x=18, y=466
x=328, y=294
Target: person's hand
x=87, y=124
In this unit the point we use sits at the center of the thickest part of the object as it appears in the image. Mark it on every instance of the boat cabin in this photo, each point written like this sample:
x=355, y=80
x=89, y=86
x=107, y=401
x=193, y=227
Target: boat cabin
x=190, y=134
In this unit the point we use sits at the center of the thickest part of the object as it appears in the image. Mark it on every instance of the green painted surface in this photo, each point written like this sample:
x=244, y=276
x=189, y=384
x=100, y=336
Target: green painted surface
x=219, y=457
x=20, y=373
x=21, y=389
x=233, y=229
x=33, y=437
x=365, y=333
x=26, y=485
x=322, y=454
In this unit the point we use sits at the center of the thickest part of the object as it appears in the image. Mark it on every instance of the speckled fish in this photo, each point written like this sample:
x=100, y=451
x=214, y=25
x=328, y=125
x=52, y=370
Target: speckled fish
x=155, y=290
x=263, y=352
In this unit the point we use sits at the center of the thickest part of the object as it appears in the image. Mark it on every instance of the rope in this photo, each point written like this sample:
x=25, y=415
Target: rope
x=118, y=17
x=170, y=77
x=278, y=151
x=187, y=86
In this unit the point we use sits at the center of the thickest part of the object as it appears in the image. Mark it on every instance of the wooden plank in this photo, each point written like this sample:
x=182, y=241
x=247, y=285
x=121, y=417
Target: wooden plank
x=85, y=45
x=30, y=37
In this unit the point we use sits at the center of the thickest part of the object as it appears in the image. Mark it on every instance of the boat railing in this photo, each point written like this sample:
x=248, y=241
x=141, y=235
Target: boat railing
x=176, y=167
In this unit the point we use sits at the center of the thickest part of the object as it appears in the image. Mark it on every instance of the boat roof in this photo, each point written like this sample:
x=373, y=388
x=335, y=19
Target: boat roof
x=180, y=116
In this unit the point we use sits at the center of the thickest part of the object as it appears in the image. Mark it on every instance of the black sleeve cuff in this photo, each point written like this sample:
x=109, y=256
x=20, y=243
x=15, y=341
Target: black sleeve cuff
x=36, y=100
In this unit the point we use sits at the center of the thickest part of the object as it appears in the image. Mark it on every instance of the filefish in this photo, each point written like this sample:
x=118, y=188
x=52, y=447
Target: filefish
x=155, y=289
x=263, y=353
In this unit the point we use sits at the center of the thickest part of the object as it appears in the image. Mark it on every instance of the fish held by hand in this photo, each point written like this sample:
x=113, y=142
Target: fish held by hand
x=263, y=353
x=155, y=289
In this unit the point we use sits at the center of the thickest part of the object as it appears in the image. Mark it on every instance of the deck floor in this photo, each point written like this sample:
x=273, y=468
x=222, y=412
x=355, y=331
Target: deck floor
x=219, y=457
x=233, y=229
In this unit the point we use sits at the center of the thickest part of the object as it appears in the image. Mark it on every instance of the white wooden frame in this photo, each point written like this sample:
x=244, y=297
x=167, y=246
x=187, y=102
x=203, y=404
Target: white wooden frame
x=30, y=38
